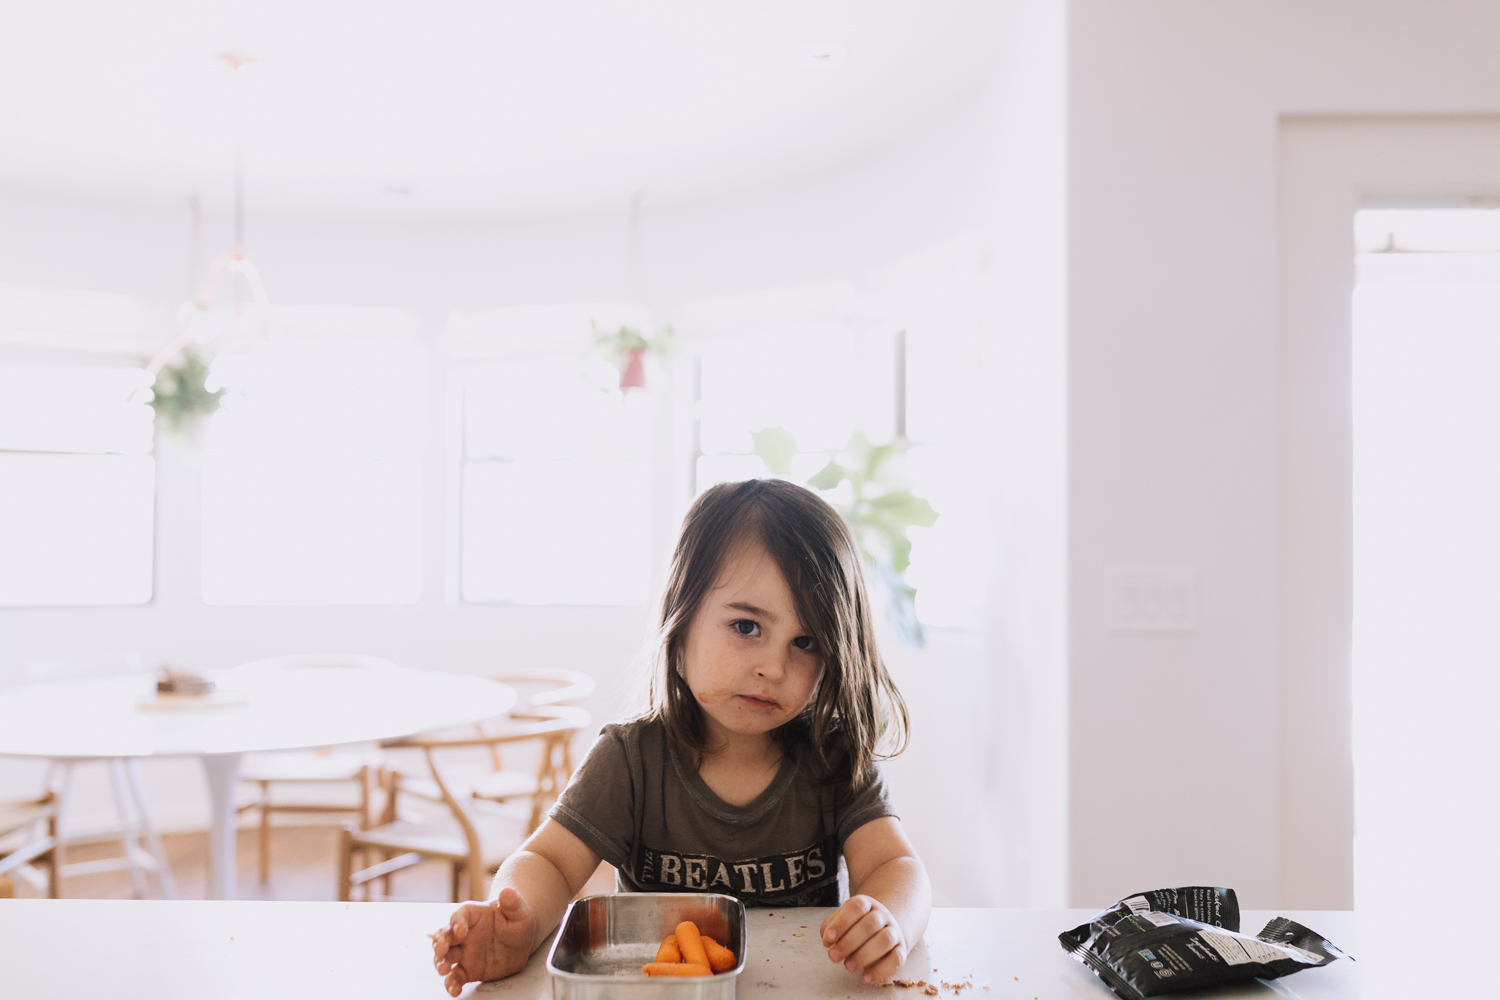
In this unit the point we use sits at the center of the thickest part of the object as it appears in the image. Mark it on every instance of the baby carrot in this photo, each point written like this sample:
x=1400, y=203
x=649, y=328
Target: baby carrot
x=668, y=951
x=675, y=969
x=720, y=958
x=690, y=943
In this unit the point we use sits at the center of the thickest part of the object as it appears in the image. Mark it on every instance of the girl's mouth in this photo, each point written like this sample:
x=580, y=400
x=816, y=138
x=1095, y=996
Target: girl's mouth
x=759, y=702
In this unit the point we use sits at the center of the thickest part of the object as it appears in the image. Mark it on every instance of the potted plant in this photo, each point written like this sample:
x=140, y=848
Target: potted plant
x=627, y=348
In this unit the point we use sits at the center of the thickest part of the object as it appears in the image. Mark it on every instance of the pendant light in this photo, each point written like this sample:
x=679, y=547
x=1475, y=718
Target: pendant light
x=236, y=261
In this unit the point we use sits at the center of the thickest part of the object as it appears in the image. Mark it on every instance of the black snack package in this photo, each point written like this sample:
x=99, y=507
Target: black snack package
x=1180, y=939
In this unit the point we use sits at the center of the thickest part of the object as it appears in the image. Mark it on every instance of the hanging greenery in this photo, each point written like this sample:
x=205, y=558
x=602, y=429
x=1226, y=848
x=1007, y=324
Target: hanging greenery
x=613, y=344
x=626, y=347
x=878, y=508
x=181, y=393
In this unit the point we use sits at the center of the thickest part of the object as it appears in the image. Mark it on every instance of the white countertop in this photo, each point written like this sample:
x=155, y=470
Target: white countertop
x=83, y=949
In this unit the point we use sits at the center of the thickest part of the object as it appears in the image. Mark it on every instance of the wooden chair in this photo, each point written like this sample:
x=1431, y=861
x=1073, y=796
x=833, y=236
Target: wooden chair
x=536, y=688
x=547, y=686
x=361, y=767
x=28, y=833
x=473, y=838
x=554, y=765
x=542, y=686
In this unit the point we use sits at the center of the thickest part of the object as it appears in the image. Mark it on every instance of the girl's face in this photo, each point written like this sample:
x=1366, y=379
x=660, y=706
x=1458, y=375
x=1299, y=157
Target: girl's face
x=747, y=659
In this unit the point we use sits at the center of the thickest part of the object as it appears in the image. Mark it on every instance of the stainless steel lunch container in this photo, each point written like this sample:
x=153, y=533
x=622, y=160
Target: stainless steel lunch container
x=604, y=941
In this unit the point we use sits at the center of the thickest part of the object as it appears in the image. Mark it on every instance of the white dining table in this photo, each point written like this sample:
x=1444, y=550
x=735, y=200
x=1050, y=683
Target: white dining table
x=81, y=949
x=106, y=717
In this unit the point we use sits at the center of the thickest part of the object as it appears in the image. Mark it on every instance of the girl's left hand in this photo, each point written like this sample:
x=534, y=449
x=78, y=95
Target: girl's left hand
x=864, y=936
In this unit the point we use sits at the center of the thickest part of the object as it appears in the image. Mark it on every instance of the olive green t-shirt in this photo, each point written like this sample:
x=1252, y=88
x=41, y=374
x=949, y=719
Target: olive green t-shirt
x=638, y=802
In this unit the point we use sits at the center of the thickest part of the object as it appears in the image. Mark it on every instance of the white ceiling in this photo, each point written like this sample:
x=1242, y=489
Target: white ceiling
x=445, y=108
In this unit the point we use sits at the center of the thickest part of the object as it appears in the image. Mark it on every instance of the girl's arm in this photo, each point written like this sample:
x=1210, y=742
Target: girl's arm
x=547, y=872
x=493, y=940
x=889, y=902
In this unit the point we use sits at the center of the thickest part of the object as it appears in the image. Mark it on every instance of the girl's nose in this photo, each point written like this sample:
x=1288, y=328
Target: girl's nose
x=772, y=666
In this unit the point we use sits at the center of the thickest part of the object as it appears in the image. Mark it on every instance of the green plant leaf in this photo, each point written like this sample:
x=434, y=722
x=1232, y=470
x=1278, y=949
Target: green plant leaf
x=664, y=342
x=613, y=343
x=875, y=461
x=181, y=394
x=828, y=477
x=901, y=606
x=775, y=446
x=908, y=508
x=901, y=554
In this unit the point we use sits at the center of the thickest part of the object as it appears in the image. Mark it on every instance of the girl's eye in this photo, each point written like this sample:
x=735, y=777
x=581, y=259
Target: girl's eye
x=746, y=627
x=805, y=642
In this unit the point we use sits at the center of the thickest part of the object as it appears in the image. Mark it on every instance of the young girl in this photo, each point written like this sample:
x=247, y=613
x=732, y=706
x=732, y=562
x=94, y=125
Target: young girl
x=753, y=773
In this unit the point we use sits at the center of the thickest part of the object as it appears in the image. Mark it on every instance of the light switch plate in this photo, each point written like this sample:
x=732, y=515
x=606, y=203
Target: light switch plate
x=1152, y=600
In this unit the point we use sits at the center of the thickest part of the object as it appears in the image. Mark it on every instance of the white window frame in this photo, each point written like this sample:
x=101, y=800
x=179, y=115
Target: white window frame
x=476, y=339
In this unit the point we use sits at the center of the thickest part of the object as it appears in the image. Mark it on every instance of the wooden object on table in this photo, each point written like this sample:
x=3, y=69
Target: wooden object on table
x=28, y=833
x=470, y=840
x=175, y=680
x=172, y=701
x=183, y=690
x=363, y=768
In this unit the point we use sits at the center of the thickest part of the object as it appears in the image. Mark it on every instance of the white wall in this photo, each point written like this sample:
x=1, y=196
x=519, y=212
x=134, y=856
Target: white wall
x=839, y=225
x=1026, y=861
x=1220, y=757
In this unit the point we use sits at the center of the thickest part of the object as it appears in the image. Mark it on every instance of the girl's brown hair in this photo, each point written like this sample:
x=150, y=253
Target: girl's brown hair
x=856, y=704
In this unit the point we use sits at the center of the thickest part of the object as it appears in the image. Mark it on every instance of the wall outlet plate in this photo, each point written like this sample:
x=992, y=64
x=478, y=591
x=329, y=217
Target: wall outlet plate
x=1150, y=600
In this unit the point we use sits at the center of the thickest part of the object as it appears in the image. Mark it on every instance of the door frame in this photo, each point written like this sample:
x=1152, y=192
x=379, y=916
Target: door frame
x=1328, y=168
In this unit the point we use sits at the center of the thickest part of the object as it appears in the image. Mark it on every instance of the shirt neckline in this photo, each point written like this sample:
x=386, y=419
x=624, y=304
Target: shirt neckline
x=709, y=800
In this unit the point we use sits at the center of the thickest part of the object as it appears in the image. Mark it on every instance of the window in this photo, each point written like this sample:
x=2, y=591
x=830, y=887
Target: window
x=77, y=486
x=947, y=408
x=803, y=382
x=906, y=359
x=556, y=484
x=312, y=480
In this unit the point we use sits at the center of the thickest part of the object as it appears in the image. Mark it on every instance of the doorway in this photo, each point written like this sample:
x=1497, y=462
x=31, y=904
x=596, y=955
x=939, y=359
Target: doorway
x=1426, y=403
x=1389, y=505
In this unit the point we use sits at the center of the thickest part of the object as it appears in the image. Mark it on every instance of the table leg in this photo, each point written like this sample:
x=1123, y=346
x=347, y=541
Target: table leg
x=64, y=790
x=223, y=770
x=153, y=842
x=130, y=845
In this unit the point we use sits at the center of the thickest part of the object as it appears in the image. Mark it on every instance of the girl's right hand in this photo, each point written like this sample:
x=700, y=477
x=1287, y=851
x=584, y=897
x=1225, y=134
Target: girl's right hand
x=484, y=941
